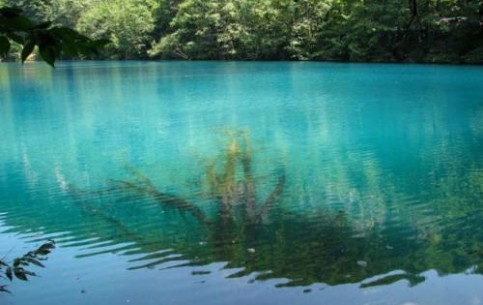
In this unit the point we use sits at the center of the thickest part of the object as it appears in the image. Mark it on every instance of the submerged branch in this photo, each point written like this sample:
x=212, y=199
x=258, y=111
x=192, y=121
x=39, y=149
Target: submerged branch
x=146, y=187
x=273, y=196
x=233, y=184
x=127, y=185
x=172, y=201
x=249, y=187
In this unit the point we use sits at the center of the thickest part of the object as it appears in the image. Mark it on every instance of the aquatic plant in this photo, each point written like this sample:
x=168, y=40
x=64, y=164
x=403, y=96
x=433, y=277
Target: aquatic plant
x=346, y=233
x=231, y=186
x=228, y=188
x=16, y=269
x=143, y=186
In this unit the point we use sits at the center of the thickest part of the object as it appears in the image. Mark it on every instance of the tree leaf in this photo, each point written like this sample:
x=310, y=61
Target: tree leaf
x=65, y=33
x=20, y=274
x=4, y=46
x=46, y=248
x=48, y=54
x=94, y=46
x=18, y=23
x=36, y=262
x=28, y=48
x=3, y=288
x=15, y=37
x=70, y=49
x=43, y=25
x=100, y=43
x=8, y=273
x=10, y=11
x=17, y=262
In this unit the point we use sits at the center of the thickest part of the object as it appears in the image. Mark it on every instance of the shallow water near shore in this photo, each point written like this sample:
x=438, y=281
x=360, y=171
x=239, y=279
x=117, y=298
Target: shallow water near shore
x=240, y=182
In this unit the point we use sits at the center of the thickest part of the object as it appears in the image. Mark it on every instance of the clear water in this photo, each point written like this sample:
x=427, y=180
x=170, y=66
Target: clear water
x=248, y=183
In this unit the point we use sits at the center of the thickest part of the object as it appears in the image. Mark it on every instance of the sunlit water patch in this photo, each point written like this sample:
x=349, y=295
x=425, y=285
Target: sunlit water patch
x=268, y=183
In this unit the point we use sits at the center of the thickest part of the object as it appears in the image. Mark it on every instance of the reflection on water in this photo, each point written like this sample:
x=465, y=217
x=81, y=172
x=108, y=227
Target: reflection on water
x=313, y=173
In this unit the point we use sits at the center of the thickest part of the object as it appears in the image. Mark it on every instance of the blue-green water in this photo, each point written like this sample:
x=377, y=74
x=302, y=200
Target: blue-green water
x=248, y=183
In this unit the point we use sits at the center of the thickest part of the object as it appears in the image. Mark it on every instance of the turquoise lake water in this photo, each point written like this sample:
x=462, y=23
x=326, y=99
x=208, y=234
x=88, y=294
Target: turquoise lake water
x=243, y=183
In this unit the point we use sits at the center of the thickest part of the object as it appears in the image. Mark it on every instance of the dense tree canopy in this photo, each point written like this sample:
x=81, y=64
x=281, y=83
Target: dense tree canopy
x=346, y=30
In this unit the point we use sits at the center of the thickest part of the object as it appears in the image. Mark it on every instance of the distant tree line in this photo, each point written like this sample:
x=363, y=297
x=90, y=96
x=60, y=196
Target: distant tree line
x=343, y=30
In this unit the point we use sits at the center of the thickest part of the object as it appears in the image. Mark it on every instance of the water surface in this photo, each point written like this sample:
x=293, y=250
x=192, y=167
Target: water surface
x=261, y=183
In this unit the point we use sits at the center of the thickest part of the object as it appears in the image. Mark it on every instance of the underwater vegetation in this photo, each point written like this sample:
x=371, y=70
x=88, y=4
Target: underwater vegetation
x=266, y=223
x=229, y=183
x=232, y=203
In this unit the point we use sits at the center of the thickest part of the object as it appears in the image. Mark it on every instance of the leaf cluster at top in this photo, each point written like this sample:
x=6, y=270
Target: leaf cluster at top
x=50, y=40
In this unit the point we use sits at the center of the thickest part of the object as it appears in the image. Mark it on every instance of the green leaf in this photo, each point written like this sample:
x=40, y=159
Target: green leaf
x=3, y=288
x=46, y=248
x=10, y=11
x=20, y=274
x=18, y=23
x=100, y=43
x=36, y=262
x=15, y=37
x=4, y=46
x=48, y=54
x=43, y=25
x=17, y=262
x=66, y=33
x=28, y=48
x=45, y=38
x=70, y=48
x=93, y=47
x=8, y=273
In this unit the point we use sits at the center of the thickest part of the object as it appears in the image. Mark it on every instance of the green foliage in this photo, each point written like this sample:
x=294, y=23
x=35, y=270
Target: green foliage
x=127, y=24
x=50, y=40
x=35, y=10
x=350, y=30
x=229, y=29
x=344, y=30
x=17, y=268
x=195, y=28
x=311, y=19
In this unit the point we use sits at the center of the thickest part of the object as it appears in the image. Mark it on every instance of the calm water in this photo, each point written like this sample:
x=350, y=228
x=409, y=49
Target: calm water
x=248, y=183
